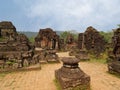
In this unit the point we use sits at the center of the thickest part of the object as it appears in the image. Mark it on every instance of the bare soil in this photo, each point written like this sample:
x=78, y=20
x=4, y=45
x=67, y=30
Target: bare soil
x=44, y=79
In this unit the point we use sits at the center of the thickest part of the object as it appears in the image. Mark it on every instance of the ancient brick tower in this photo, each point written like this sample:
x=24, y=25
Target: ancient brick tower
x=94, y=42
x=7, y=29
x=114, y=56
x=47, y=39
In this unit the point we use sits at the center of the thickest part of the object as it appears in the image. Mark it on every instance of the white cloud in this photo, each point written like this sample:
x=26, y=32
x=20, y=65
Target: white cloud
x=72, y=14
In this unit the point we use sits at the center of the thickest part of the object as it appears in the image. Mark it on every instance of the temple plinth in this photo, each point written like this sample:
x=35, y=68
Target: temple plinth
x=71, y=77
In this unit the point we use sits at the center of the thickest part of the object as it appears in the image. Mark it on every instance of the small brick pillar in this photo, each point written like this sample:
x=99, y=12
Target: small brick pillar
x=71, y=77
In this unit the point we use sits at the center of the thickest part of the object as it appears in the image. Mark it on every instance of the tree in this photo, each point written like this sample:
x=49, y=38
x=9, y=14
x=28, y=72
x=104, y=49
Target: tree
x=64, y=35
x=118, y=25
x=107, y=36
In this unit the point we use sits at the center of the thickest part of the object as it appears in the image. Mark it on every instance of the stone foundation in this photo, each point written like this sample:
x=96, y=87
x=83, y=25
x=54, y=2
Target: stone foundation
x=71, y=77
x=82, y=55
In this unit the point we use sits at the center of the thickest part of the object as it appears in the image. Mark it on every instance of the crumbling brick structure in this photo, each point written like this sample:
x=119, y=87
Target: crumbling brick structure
x=47, y=39
x=47, y=56
x=94, y=42
x=81, y=41
x=15, y=49
x=81, y=54
x=70, y=39
x=70, y=42
x=114, y=56
x=71, y=77
x=7, y=29
x=51, y=56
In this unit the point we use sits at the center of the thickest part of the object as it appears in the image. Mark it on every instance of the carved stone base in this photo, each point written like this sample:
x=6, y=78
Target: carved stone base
x=71, y=77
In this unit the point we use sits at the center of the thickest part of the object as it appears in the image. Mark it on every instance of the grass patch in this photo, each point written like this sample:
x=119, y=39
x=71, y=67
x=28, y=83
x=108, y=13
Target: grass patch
x=53, y=62
x=3, y=74
x=114, y=74
x=101, y=59
x=57, y=84
x=2, y=39
x=94, y=60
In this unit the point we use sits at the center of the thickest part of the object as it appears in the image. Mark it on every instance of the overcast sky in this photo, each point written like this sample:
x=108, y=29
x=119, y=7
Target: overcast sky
x=31, y=15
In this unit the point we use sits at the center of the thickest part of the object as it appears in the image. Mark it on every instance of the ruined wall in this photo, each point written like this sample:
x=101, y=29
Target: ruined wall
x=70, y=42
x=15, y=49
x=7, y=29
x=81, y=40
x=116, y=42
x=47, y=38
x=114, y=55
x=94, y=42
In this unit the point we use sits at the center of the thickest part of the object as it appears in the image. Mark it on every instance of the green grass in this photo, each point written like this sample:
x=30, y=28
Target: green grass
x=3, y=74
x=114, y=74
x=94, y=60
x=31, y=39
x=101, y=59
x=2, y=39
x=57, y=84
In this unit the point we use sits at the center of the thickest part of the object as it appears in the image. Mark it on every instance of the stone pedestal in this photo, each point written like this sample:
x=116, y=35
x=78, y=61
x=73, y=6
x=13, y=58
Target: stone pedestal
x=82, y=55
x=51, y=56
x=71, y=77
x=114, y=65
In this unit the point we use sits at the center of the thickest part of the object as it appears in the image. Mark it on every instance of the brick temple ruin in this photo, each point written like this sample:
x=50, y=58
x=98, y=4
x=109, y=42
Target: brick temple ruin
x=114, y=56
x=70, y=42
x=46, y=44
x=92, y=41
x=47, y=39
x=71, y=77
x=15, y=49
x=88, y=42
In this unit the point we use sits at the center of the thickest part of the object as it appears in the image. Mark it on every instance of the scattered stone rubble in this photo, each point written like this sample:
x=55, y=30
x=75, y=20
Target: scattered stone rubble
x=47, y=56
x=79, y=51
x=81, y=54
x=71, y=77
x=114, y=56
x=46, y=44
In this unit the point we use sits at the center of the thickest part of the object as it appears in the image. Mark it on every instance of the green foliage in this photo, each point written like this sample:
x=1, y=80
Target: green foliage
x=2, y=39
x=114, y=74
x=3, y=74
x=107, y=36
x=31, y=39
x=10, y=62
x=118, y=25
x=64, y=35
x=101, y=59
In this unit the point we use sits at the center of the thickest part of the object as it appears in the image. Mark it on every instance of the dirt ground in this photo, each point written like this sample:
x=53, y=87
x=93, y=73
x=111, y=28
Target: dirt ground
x=44, y=79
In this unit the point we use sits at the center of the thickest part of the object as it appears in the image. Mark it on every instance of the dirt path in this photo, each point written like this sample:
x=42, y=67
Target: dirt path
x=100, y=78
x=43, y=79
